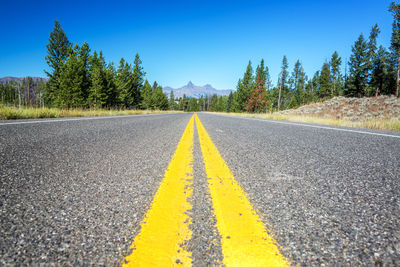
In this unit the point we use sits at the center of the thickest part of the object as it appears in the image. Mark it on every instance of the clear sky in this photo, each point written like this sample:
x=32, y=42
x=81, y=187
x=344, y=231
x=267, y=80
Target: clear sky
x=202, y=41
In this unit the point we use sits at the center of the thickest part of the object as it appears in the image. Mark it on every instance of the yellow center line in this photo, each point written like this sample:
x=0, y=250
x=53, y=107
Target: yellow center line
x=245, y=241
x=165, y=227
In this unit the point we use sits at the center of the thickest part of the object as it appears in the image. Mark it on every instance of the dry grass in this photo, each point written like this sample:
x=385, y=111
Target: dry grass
x=10, y=113
x=378, y=124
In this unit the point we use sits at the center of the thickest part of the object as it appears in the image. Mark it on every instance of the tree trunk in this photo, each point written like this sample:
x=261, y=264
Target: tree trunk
x=334, y=87
x=397, y=82
x=19, y=97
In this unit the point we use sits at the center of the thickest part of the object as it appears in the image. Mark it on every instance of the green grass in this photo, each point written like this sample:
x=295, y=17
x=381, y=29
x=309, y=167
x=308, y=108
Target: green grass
x=11, y=113
x=378, y=124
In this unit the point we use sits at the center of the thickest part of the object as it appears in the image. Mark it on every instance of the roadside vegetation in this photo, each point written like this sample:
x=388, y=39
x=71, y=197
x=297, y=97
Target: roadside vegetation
x=377, y=124
x=11, y=113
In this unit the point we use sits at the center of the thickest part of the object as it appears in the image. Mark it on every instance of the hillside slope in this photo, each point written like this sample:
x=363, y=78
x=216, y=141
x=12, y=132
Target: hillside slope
x=351, y=109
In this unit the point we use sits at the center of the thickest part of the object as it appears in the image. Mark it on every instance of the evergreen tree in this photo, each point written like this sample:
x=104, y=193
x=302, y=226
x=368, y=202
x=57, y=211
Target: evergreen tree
x=395, y=41
x=71, y=81
x=229, y=102
x=213, y=103
x=147, y=96
x=160, y=99
x=258, y=100
x=220, y=104
x=315, y=85
x=123, y=81
x=206, y=103
x=244, y=90
x=183, y=103
x=112, y=99
x=298, y=81
x=380, y=71
x=57, y=55
x=325, y=81
x=283, y=79
x=83, y=61
x=137, y=81
x=193, y=105
x=201, y=103
x=171, y=102
x=335, y=63
x=372, y=49
x=98, y=90
x=358, y=68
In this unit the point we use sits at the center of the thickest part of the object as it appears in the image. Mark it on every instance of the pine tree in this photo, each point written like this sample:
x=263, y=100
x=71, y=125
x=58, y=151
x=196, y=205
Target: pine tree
x=183, y=104
x=229, y=102
x=358, y=68
x=123, y=81
x=298, y=80
x=201, y=103
x=213, y=103
x=395, y=41
x=220, y=104
x=98, y=91
x=315, y=85
x=71, y=81
x=325, y=81
x=171, y=102
x=206, y=103
x=83, y=58
x=147, y=96
x=193, y=105
x=137, y=81
x=371, y=58
x=379, y=71
x=57, y=55
x=258, y=100
x=244, y=90
x=335, y=63
x=283, y=79
x=112, y=91
x=160, y=99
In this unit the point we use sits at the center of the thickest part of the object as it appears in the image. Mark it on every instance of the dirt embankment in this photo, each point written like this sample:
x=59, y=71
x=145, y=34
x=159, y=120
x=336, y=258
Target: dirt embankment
x=352, y=109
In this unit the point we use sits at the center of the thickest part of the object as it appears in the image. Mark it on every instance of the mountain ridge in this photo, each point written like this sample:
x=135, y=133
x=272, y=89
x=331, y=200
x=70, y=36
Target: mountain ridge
x=192, y=90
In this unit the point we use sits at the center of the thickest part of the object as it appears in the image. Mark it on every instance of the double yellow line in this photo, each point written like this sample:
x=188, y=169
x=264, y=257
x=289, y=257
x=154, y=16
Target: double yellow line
x=165, y=229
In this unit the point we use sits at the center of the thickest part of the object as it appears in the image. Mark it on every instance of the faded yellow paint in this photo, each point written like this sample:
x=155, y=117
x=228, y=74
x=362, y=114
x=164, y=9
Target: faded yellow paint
x=245, y=241
x=166, y=225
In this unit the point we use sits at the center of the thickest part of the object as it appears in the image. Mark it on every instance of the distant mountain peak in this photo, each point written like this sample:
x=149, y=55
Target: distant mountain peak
x=192, y=90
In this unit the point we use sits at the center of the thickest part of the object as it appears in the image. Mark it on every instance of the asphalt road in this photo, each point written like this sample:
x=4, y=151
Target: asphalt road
x=75, y=191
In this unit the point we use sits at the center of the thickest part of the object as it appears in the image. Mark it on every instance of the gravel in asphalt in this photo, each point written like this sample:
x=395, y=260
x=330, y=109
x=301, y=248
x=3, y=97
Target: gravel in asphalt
x=329, y=197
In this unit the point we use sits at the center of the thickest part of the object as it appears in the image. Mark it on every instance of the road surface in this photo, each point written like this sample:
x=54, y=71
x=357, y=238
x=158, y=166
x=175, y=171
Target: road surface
x=102, y=190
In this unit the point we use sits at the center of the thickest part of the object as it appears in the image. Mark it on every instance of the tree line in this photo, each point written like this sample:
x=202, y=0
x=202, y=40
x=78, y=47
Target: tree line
x=79, y=78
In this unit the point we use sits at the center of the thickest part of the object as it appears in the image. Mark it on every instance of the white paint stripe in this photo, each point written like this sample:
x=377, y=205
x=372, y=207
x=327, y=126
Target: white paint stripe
x=308, y=125
x=83, y=118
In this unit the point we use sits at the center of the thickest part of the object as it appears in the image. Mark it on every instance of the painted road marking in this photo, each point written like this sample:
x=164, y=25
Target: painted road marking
x=312, y=126
x=245, y=241
x=166, y=224
x=82, y=119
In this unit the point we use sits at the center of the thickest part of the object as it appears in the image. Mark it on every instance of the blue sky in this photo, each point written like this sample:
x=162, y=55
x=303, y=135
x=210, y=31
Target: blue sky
x=202, y=41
